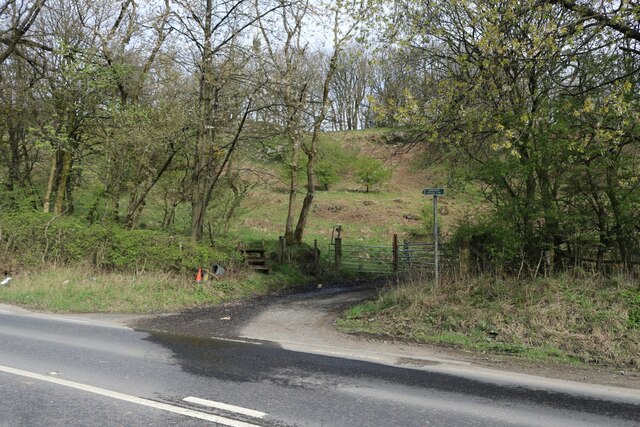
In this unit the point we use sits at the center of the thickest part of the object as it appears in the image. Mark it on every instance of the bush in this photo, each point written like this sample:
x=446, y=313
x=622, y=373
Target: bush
x=334, y=161
x=493, y=241
x=36, y=238
x=326, y=173
x=372, y=172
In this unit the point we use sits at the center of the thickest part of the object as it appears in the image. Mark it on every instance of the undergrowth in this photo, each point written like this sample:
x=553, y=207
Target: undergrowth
x=34, y=239
x=64, y=264
x=570, y=317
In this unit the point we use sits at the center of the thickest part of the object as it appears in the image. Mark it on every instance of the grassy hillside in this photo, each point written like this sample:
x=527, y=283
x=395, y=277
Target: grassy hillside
x=397, y=207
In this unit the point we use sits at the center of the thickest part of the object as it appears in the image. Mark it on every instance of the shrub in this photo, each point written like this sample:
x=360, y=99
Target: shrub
x=326, y=173
x=37, y=238
x=493, y=241
x=372, y=172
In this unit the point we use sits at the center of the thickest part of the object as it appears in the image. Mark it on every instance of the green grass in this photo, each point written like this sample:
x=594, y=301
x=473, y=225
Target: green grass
x=568, y=318
x=78, y=290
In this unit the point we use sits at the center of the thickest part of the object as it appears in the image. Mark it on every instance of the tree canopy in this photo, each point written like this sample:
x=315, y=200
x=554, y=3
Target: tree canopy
x=535, y=100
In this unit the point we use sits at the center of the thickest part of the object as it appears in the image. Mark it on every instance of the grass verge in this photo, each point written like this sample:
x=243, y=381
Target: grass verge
x=81, y=290
x=569, y=318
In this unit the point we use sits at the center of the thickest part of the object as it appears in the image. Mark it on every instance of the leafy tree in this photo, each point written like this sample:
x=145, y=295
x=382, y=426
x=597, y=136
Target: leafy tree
x=621, y=17
x=224, y=100
x=372, y=172
x=327, y=173
x=77, y=84
x=285, y=56
x=510, y=82
x=347, y=19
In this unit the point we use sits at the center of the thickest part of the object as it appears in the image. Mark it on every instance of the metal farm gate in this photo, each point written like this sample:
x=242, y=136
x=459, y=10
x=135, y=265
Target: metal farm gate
x=362, y=258
x=382, y=259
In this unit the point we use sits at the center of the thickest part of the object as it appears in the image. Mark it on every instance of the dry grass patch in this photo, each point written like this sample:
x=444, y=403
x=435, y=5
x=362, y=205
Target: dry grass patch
x=575, y=318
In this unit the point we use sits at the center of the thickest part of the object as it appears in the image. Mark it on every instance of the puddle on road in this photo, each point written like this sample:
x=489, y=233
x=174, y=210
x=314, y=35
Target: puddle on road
x=222, y=359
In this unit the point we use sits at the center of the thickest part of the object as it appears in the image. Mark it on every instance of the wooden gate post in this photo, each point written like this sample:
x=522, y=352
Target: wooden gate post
x=395, y=253
x=338, y=252
x=316, y=253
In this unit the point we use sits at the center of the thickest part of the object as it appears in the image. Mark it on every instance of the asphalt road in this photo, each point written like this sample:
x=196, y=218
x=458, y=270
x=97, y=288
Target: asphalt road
x=76, y=372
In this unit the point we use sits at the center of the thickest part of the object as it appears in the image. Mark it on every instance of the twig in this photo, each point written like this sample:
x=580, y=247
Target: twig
x=538, y=266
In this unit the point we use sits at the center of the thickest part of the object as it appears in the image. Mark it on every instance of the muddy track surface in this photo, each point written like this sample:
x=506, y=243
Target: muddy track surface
x=305, y=322
x=273, y=317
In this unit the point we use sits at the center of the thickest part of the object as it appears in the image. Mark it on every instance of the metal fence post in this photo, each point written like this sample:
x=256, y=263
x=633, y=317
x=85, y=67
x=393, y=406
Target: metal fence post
x=436, y=268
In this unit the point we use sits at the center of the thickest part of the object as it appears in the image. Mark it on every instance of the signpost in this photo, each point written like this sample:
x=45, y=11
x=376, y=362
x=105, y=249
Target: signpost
x=435, y=192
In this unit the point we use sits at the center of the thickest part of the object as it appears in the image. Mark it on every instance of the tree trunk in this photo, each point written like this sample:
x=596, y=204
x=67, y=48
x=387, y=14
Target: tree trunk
x=295, y=135
x=618, y=232
x=202, y=162
x=138, y=201
x=51, y=183
x=601, y=219
x=63, y=180
x=14, y=161
x=293, y=187
x=551, y=225
x=312, y=151
x=198, y=209
x=308, y=199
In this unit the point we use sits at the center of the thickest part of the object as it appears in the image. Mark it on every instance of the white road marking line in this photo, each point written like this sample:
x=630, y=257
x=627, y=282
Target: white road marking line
x=65, y=319
x=127, y=398
x=225, y=407
x=235, y=340
x=6, y=312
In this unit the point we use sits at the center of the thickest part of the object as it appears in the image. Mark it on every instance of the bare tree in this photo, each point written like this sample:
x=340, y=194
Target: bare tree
x=16, y=19
x=303, y=87
x=132, y=36
x=349, y=89
x=213, y=31
x=346, y=19
x=286, y=60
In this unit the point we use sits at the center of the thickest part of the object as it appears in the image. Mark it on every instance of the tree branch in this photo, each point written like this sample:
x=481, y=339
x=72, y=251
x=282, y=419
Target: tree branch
x=602, y=18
